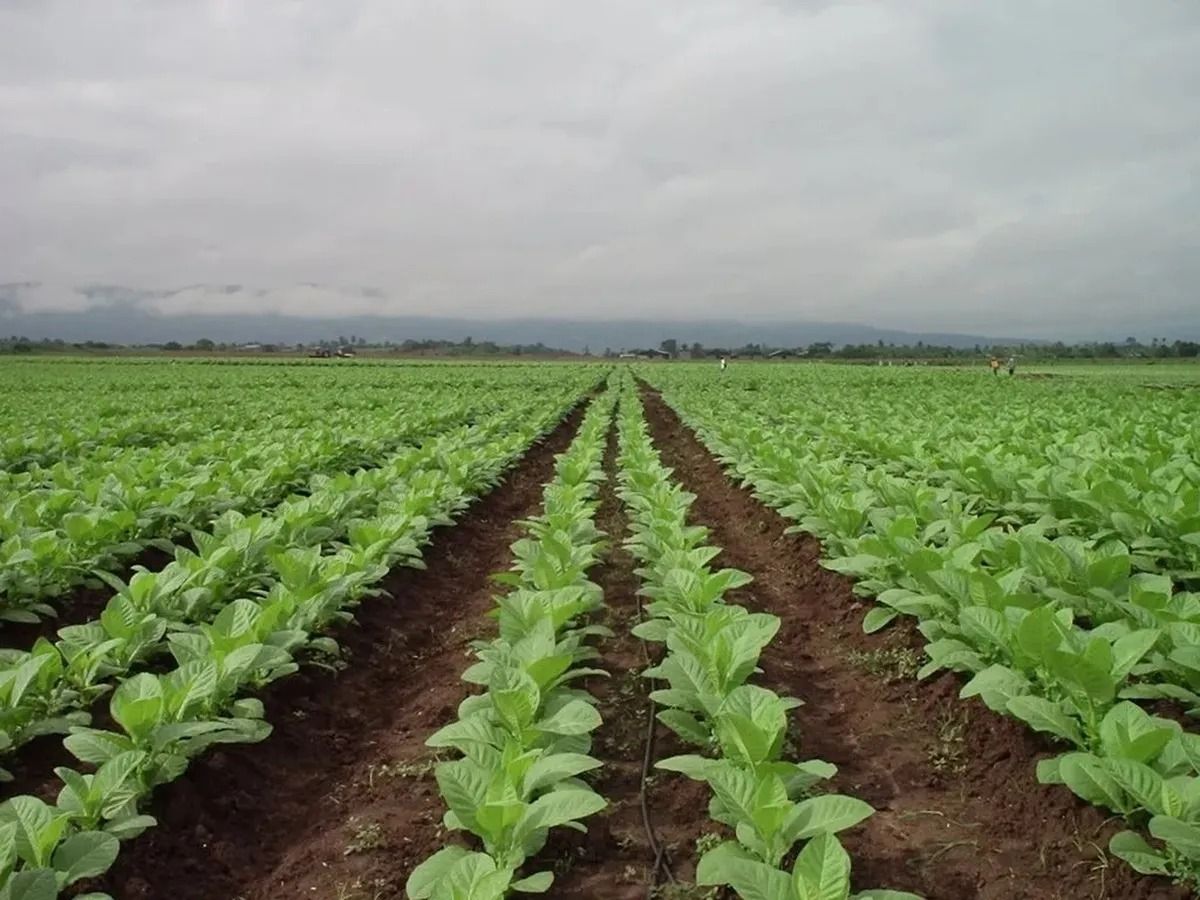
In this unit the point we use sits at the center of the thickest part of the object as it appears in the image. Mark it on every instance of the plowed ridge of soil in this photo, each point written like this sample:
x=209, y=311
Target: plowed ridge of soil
x=961, y=815
x=340, y=801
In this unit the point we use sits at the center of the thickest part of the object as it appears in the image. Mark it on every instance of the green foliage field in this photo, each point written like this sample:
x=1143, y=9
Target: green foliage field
x=1042, y=532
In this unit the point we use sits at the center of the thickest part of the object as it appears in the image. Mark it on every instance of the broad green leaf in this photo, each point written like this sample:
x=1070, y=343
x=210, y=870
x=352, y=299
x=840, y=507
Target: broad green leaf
x=553, y=768
x=1133, y=849
x=828, y=813
x=1044, y=715
x=559, y=807
x=538, y=883
x=822, y=870
x=36, y=884
x=878, y=619
x=1179, y=836
x=85, y=855
x=575, y=717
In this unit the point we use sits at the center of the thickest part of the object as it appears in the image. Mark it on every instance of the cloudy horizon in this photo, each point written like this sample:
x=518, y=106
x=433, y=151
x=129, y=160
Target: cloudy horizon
x=1027, y=168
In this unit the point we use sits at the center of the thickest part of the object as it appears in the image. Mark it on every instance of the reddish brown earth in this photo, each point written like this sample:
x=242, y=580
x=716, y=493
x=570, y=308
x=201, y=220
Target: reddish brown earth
x=339, y=801
x=961, y=815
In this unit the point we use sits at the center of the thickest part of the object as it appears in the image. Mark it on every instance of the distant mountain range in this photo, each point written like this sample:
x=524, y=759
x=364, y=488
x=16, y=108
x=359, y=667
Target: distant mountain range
x=126, y=326
x=123, y=316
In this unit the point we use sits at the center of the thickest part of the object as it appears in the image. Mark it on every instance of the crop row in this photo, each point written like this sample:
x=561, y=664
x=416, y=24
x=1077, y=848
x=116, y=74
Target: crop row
x=52, y=540
x=1093, y=462
x=1056, y=632
x=50, y=688
x=80, y=414
x=525, y=740
x=739, y=729
x=59, y=525
x=163, y=721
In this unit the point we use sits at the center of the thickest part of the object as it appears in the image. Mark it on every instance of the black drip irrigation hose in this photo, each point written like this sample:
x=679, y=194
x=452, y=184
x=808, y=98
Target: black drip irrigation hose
x=662, y=865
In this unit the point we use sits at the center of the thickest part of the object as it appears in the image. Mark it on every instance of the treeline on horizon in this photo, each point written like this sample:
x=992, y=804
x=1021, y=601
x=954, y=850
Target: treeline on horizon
x=1130, y=348
x=1158, y=348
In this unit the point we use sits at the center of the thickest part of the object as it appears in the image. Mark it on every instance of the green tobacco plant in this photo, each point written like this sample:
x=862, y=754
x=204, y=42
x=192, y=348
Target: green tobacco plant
x=756, y=805
x=821, y=872
x=455, y=873
x=38, y=838
x=524, y=741
x=1057, y=570
x=708, y=658
x=712, y=648
x=297, y=571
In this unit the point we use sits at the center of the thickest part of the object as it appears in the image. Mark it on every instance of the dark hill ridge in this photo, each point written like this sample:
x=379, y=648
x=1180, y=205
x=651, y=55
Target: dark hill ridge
x=119, y=315
x=127, y=324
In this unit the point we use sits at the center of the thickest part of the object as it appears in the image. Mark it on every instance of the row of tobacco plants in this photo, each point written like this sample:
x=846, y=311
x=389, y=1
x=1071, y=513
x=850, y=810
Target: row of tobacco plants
x=59, y=528
x=523, y=742
x=785, y=844
x=50, y=688
x=245, y=448
x=1069, y=633
x=271, y=589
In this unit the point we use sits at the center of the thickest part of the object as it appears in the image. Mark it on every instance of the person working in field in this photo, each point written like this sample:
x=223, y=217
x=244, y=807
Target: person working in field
x=722, y=364
x=1012, y=366
x=995, y=366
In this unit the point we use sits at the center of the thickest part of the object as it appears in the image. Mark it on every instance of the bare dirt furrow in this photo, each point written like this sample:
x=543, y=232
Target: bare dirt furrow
x=960, y=813
x=340, y=801
x=615, y=860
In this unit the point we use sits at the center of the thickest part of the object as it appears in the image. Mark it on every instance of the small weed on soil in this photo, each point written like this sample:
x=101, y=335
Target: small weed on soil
x=890, y=663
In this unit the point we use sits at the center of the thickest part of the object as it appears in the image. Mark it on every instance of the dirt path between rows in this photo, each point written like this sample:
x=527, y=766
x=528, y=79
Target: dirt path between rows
x=340, y=803
x=615, y=860
x=960, y=813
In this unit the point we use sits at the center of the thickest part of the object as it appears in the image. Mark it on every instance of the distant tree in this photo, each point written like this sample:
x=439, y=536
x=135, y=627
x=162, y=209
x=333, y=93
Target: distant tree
x=204, y=344
x=587, y=351
x=172, y=345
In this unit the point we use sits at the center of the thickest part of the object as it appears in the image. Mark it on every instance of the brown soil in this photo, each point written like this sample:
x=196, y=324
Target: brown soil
x=961, y=815
x=339, y=801
x=615, y=860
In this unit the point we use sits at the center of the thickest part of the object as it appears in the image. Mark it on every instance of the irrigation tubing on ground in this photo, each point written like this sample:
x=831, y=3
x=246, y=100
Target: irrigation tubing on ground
x=662, y=865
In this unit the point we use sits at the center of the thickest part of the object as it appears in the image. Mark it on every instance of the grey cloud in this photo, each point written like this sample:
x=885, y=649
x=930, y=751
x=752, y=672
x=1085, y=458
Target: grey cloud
x=926, y=165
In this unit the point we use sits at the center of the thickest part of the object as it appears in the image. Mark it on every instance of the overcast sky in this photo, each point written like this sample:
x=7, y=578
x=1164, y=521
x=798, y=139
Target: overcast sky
x=1014, y=166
